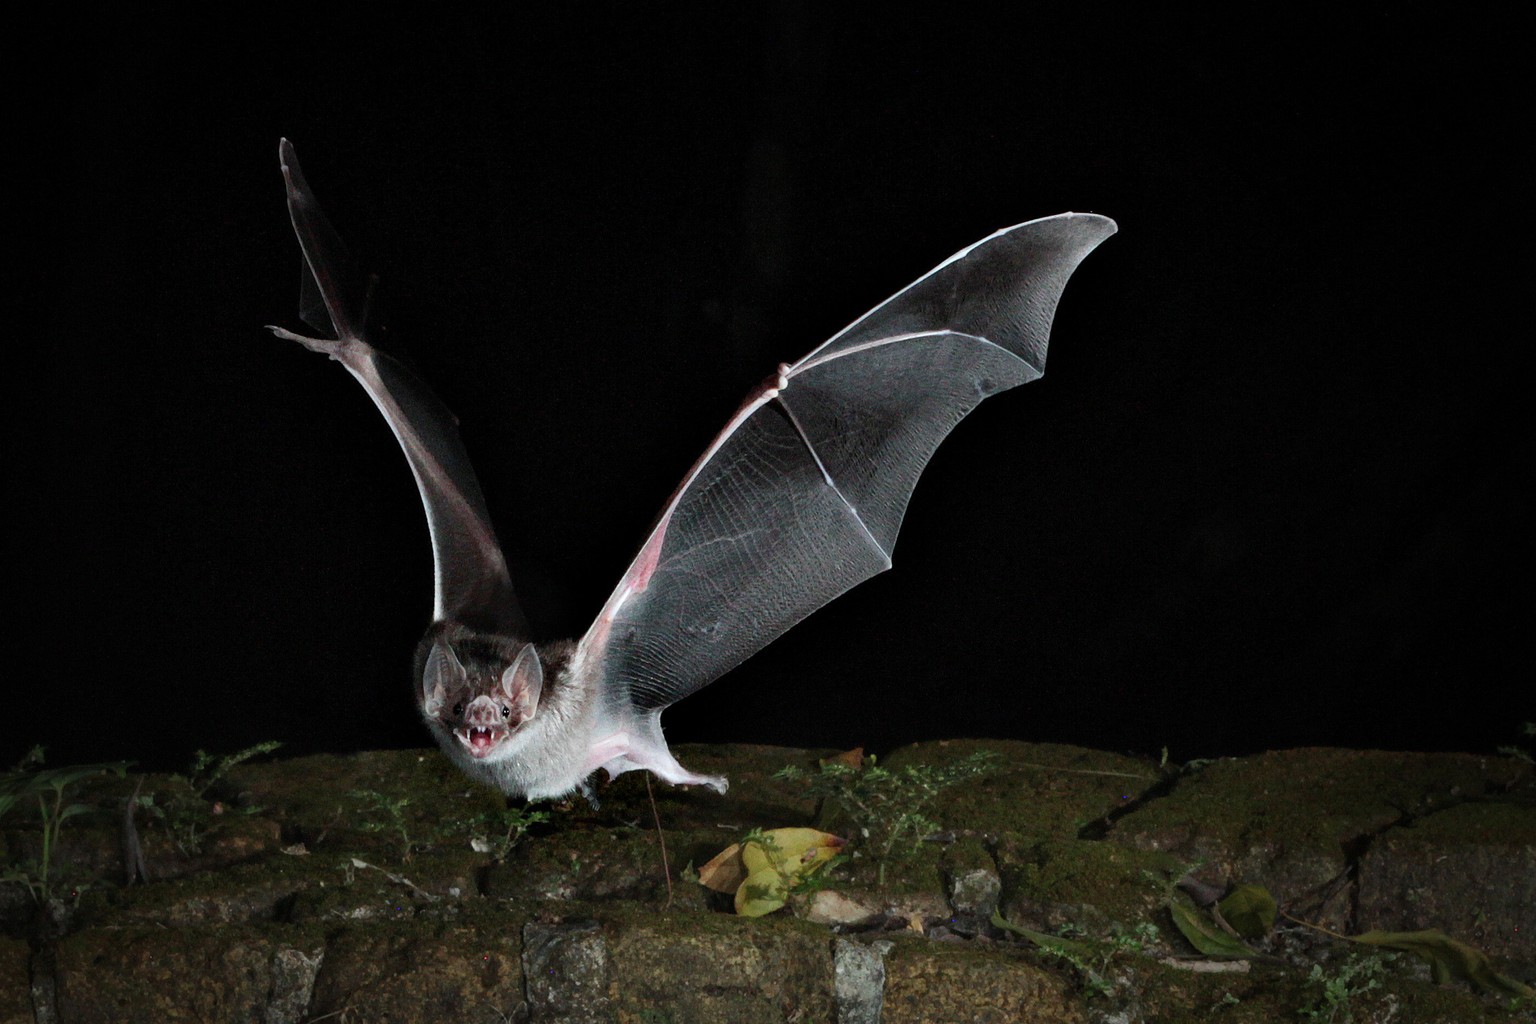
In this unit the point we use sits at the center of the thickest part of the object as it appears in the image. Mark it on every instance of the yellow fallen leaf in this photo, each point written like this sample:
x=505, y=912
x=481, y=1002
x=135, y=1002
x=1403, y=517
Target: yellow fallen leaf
x=762, y=893
x=724, y=872
x=799, y=850
x=770, y=865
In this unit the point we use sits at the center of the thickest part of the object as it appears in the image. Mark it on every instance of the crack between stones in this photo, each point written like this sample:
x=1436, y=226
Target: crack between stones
x=1356, y=847
x=1100, y=827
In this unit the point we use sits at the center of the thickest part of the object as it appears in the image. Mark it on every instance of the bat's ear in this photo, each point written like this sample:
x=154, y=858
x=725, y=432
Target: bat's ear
x=522, y=682
x=441, y=671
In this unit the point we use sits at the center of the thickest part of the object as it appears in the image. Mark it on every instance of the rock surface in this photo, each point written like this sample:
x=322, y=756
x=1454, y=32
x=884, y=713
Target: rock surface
x=372, y=887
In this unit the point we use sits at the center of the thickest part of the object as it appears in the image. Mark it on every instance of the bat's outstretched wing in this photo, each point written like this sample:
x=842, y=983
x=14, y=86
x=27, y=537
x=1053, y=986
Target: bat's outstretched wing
x=472, y=586
x=800, y=497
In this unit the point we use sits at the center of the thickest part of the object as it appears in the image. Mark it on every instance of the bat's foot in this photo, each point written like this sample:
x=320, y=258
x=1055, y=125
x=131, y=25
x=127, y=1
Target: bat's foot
x=624, y=755
x=718, y=783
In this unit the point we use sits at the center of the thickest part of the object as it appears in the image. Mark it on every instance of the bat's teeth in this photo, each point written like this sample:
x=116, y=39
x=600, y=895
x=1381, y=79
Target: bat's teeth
x=480, y=739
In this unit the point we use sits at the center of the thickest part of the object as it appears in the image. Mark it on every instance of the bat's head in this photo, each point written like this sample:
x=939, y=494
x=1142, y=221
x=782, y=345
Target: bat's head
x=478, y=690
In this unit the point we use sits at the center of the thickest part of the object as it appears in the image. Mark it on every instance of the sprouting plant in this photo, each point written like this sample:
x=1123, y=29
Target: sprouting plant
x=1519, y=752
x=1089, y=957
x=187, y=815
x=1353, y=977
x=496, y=832
x=208, y=769
x=30, y=781
x=1138, y=940
x=493, y=832
x=888, y=808
x=386, y=814
x=1141, y=938
x=1090, y=964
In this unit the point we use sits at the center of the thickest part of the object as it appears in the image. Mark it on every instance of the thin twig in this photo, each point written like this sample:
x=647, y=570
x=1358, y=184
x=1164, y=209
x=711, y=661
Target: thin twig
x=397, y=879
x=133, y=851
x=1086, y=771
x=661, y=837
x=1314, y=927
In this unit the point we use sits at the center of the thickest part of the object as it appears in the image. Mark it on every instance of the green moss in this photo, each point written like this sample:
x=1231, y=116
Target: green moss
x=465, y=966
x=1044, y=788
x=928, y=981
x=700, y=966
x=309, y=795
x=174, y=974
x=600, y=863
x=1050, y=884
x=245, y=892
x=401, y=940
x=15, y=982
x=1293, y=820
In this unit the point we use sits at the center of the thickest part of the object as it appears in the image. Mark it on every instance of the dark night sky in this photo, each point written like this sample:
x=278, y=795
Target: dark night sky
x=1271, y=491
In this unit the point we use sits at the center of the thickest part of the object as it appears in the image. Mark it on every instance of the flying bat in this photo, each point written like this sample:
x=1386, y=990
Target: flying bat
x=796, y=500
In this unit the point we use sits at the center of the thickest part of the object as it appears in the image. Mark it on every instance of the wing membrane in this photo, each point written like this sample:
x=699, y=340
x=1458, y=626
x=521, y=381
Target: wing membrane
x=472, y=585
x=801, y=497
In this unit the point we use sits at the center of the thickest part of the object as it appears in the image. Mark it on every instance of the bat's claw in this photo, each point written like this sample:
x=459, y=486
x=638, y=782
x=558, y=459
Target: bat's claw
x=326, y=346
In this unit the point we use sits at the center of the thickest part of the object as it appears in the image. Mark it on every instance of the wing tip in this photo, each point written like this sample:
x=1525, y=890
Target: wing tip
x=1086, y=231
x=293, y=175
x=1095, y=224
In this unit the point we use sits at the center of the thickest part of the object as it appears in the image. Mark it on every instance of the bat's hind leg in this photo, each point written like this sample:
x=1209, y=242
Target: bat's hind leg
x=640, y=746
x=666, y=767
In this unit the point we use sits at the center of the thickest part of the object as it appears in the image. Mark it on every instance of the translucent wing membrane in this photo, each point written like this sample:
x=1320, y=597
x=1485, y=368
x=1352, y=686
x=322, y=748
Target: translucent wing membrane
x=802, y=495
x=1003, y=288
x=333, y=295
x=472, y=585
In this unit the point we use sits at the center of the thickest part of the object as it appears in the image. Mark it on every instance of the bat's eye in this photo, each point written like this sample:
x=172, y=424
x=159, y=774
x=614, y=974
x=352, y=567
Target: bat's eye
x=506, y=712
x=458, y=709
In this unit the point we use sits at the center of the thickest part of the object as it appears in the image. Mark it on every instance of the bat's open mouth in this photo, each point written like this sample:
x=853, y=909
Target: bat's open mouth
x=481, y=740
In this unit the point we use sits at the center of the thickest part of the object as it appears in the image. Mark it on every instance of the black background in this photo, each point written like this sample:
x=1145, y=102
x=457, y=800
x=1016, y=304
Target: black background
x=1271, y=491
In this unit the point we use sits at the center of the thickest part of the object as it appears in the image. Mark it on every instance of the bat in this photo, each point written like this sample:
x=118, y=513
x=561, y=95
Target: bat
x=795, y=501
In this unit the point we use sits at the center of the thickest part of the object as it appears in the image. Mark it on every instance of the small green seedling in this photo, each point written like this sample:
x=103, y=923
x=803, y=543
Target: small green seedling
x=1091, y=958
x=1520, y=753
x=888, y=808
x=1353, y=977
x=187, y=815
x=208, y=769
x=30, y=781
x=387, y=814
x=497, y=832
